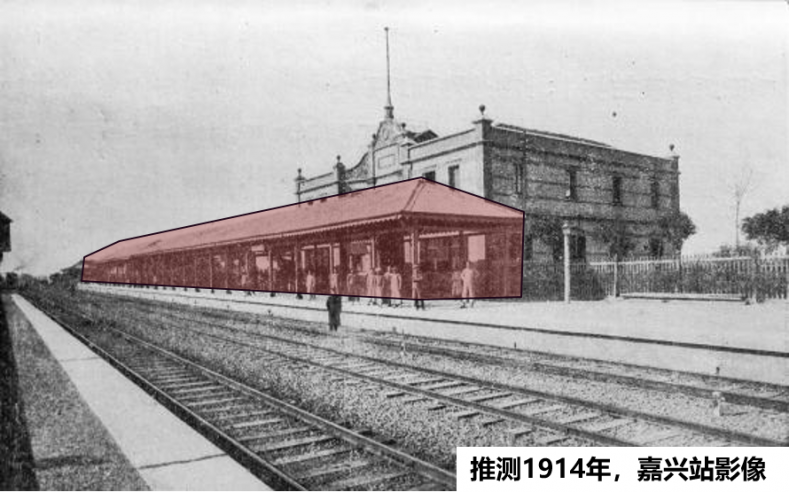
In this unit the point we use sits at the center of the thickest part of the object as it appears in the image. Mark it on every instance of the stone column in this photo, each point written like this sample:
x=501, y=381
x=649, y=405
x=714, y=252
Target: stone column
x=567, y=231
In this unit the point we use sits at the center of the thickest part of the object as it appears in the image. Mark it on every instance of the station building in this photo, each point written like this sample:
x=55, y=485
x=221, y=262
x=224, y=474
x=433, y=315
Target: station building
x=587, y=184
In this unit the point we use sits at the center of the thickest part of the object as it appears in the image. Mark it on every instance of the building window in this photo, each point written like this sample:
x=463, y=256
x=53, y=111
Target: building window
x=577, y=247
x=528, y=247
x=520, y=179
x=655, y=192
x=453, y=175
x=572, y=185
x=617, y=189
x=430, y=175
x=656, y=250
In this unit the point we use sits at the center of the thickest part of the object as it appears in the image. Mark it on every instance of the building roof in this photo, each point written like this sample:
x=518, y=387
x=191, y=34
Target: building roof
x=552, y=135
x=416, y=201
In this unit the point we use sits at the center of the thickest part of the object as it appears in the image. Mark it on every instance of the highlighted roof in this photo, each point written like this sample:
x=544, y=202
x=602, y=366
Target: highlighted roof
x=415, y=201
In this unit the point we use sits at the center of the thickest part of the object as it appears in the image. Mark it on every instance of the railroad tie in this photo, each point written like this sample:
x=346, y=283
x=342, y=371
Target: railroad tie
x=241, y=416
x=519, y=402
x=571, y=419
x=520, y=431
x=487, y=397
x=190, y=390
x=274, y=434
x=491, y=421
x=466, y=390
x=428, y=487
x=544, y=409
x=422, y=380
x=549, y=440
x=335, y=468
x=413, y=399
x=605, y=426
x=311, y=455
x=442, y=385
x=255, y=423
x=209, y=402
x=293, y=443
x=465, y=414
x=359, y=481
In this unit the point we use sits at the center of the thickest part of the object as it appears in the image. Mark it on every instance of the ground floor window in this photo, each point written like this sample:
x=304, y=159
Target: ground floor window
x=656, y=248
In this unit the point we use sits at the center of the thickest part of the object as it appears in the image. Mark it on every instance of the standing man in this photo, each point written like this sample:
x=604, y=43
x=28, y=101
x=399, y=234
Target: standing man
x=334, y=305
x=311, y=283
x=334, y=281
x=395, y=285
x=467, y=277
x=378, y=283
x=387, y=287
x=417, y=288
x=370, y=288
x=350, y=286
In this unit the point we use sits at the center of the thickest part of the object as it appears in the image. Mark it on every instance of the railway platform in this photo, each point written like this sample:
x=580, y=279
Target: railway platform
x=734, y=340
x=107, y=433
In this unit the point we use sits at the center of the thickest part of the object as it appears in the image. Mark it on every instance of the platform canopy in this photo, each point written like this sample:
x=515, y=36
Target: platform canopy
x=419, y=203
x=352, y=244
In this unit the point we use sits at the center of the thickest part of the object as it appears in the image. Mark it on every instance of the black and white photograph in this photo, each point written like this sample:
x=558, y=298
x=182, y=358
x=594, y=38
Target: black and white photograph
x=369, y=245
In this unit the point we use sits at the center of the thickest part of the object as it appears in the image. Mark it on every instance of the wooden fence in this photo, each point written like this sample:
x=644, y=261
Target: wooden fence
x=757, y=277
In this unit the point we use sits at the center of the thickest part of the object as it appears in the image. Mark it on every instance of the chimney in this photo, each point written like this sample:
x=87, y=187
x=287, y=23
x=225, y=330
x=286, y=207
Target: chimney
x=339, y=172
x=299, y=179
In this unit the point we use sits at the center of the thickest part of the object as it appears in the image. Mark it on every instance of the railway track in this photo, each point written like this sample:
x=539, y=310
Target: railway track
x=766, y=396
x=484, y=402
x=287, y=446
x=714, y=388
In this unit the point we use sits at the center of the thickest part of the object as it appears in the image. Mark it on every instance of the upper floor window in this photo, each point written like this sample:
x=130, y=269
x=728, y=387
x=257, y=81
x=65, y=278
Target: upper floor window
x=655, y=193
x=453, y=176
x=617, y=190
x=572, y=185
x=430, y=175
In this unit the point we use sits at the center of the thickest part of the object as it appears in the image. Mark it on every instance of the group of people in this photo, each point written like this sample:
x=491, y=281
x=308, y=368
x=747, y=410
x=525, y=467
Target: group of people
x=386, y=286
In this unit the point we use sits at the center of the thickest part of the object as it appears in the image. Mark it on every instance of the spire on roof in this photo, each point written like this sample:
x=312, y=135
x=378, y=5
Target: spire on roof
x=388, y=109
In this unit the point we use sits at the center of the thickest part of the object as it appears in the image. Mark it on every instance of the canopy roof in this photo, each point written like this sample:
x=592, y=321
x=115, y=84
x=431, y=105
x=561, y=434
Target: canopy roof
x=415, y=201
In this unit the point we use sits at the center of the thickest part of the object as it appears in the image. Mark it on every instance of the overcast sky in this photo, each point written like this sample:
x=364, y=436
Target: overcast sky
x=124, y=119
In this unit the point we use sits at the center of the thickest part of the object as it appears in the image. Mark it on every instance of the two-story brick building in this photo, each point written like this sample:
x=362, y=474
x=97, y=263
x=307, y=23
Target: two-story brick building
x=588, y=184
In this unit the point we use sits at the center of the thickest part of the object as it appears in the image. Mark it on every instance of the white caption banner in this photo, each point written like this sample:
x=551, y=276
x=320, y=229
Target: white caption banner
x=624, y=472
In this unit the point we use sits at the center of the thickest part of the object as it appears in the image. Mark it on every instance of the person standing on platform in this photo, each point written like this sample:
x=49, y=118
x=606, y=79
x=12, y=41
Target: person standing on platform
x=395, y=286
x=370, y=290
x=350, y=289
x=417, y=288
x=378, y=283
x=457, y=284
x=386, y=287
x=311, y=284
x=334, y=281
x=334, y=306
x=467, y=277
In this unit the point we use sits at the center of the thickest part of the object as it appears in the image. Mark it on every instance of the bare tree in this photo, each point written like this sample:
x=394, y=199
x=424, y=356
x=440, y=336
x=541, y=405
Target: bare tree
x=740, y=187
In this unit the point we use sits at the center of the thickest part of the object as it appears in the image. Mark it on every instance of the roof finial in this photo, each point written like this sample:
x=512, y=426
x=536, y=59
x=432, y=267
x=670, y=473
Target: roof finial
x=389, y=109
